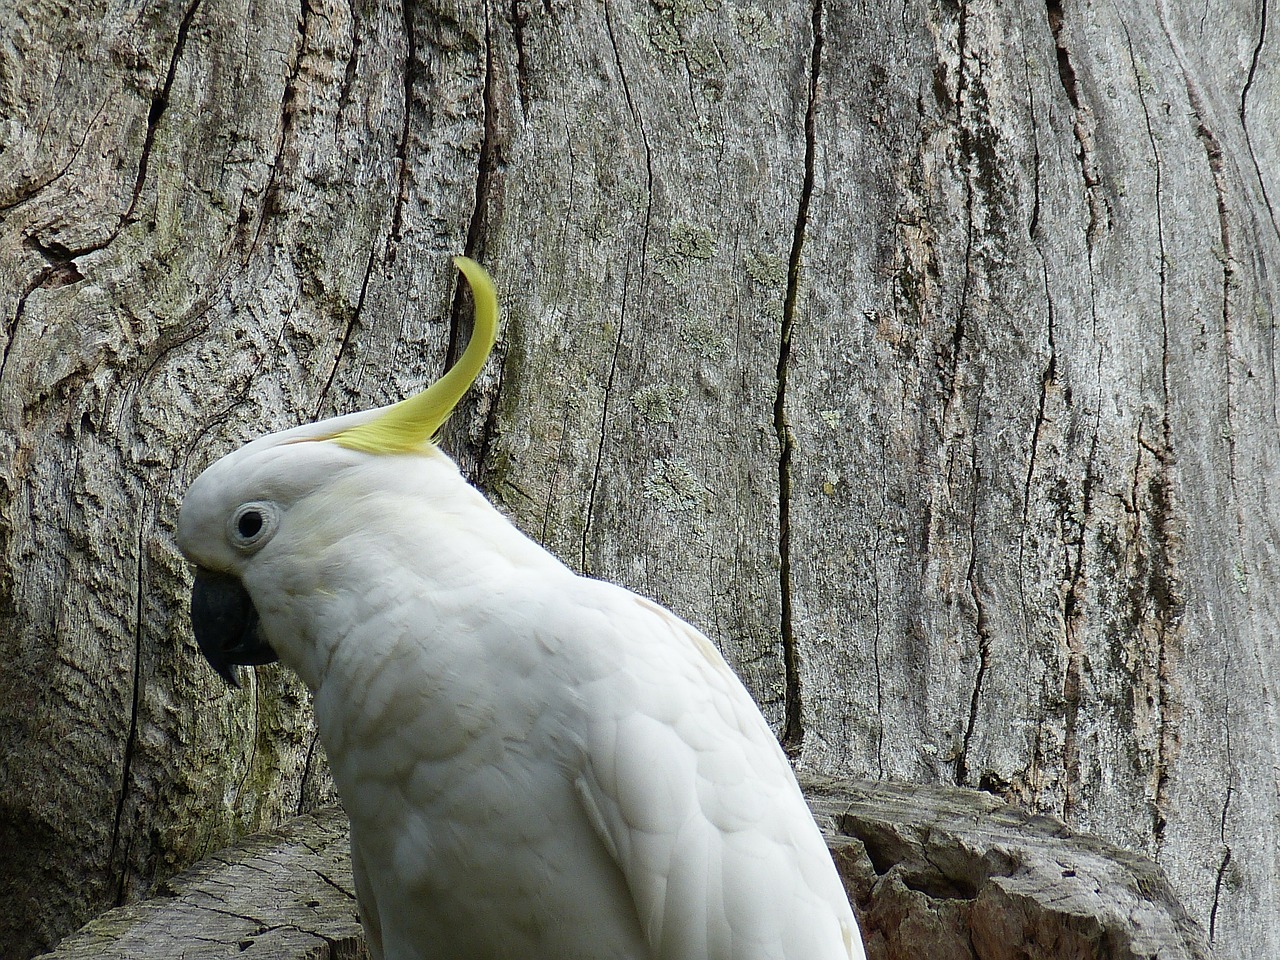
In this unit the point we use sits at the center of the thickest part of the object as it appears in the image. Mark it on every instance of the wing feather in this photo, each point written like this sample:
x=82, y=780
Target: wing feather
x=696, y=802
x=366, y=902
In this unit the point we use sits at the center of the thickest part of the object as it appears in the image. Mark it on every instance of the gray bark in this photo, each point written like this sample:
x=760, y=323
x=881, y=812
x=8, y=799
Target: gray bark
x=932, y=872
x=922, y=355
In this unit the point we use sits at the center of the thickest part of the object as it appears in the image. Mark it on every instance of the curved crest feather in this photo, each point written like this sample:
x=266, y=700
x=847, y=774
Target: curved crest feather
x=406, y=426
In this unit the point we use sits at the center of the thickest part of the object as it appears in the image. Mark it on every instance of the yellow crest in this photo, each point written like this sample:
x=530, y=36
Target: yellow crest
x=405, y=426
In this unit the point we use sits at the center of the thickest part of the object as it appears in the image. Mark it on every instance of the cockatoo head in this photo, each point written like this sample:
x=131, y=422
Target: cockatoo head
x=236, y=512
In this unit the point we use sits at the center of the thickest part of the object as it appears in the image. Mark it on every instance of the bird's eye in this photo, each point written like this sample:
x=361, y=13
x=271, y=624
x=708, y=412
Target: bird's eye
x=249, y=524
x=252, y=524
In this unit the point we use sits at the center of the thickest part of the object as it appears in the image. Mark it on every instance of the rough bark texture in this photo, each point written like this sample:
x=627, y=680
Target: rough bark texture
x=921, y=354
x=933, y=872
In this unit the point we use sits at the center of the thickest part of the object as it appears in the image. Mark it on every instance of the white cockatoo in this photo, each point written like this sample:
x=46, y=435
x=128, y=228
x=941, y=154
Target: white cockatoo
x=537, y=765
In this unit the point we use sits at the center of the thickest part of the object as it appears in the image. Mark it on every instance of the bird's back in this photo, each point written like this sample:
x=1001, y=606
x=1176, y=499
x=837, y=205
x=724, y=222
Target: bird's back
x=540, y=765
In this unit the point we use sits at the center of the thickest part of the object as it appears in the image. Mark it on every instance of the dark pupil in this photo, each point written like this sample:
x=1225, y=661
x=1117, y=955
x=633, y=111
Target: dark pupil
x=249, y=524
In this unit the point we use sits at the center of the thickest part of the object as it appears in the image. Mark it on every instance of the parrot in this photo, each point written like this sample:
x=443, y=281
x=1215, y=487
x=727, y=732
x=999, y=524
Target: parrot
x=535, y=764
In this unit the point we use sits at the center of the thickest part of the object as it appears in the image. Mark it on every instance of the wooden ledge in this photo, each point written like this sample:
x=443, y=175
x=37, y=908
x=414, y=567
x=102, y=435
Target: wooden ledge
x=933, y=872
x=275, y=896
x=945, y=872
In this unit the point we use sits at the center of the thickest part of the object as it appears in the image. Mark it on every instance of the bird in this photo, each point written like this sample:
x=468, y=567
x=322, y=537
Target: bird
x=536, y=764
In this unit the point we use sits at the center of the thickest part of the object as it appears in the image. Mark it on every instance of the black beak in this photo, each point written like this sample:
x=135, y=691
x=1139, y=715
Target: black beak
x=226, y=625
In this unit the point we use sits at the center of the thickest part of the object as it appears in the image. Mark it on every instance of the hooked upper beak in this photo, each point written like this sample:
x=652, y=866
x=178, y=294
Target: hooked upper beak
x=226, y=624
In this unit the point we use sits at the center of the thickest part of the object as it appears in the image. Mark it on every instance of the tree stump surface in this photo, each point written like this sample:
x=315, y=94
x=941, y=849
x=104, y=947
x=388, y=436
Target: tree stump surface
x=282, y=895
x=943, y=872
x=936, y=872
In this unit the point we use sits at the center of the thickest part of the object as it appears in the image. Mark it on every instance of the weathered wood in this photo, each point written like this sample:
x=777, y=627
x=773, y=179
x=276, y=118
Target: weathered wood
x=933, y=871
x=1037, y=387
x=275, y=896
x=922, y=355
x=946, y=872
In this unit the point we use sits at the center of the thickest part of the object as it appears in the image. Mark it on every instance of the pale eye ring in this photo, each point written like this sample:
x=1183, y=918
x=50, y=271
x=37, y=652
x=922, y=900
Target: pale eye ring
x=252, y=524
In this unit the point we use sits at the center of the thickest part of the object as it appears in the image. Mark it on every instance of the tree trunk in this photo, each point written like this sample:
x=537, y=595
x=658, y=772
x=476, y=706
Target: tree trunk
x=922, y=355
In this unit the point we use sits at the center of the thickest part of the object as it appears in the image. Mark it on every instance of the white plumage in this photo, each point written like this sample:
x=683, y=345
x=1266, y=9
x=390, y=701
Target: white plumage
x=536, y=765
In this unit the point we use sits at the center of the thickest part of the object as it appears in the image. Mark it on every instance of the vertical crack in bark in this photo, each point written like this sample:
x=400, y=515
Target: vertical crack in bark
x=1033, y=225
x=1214, y=156
x=307, y=771
x=1217, y=894
x=1213, y=150
x=518, y=21
x=982, y=627
x=554, y=484
x=348, y=331
x=1225, y=862
x=1099, y=209
x=635, y=114
x=1047, y=379
x=1032, y=773
x=969, y=147
x=487, y=163
x=1072, y=613
x=875, y=657
x=349, y=70
x=479, y=223
x=585, y=554
x=1244, y=114
x=1074, y=579
x=877, y=600
x=962, y=309
x=253, y=740
x=489, y=428
x=475, y=240
x=1257, y=54
x=272, y=188
x=967, y=150
x=135, y=706
x=1165, y=734
x=793, y=715
x=1066, y=72
x=402, y=148
x=622, y=311
x=159, y=103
